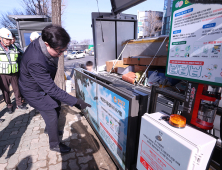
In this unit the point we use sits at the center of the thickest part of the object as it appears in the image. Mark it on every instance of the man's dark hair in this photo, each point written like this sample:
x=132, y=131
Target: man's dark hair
x=89, y=63
x=55, y=36
x=13, y=35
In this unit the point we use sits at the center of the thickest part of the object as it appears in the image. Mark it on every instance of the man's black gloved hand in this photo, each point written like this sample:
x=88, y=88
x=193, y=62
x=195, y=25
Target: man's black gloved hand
x=80, y=104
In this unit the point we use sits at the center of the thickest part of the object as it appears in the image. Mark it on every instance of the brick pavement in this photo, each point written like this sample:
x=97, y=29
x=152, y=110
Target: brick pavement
x=24, y=146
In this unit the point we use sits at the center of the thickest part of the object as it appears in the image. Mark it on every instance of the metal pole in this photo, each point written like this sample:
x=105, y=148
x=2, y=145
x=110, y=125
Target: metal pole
x=153, y=100
x=19, y=34
x=144, y=74
x=118, y=58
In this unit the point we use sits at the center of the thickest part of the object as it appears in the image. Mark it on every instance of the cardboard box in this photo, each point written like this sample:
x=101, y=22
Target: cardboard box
x=158, y=61
x=131, y=60
x=110, y=63
x=139, y=68
x=123, y=69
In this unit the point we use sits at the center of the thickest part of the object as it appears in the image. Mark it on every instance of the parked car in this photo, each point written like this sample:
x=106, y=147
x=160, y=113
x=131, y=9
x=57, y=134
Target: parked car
x=75, y=54
x=86, y=51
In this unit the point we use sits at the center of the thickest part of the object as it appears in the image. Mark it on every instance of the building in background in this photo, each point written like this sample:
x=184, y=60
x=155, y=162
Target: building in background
x=167, y=9
x=77, y=47
x=149, y=23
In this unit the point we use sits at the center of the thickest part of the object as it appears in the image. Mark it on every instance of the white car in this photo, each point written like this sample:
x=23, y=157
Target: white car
x=75, y=54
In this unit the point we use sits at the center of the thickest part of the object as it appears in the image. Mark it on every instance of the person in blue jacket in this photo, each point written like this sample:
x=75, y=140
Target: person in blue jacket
x=37, y=72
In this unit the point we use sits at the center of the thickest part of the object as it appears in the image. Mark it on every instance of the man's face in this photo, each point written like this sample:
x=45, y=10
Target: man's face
x=89, y=68
x=54, y=52
x=7, y=42
x=13, y=40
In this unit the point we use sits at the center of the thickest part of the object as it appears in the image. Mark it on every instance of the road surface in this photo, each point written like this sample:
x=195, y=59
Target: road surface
x=70, y=63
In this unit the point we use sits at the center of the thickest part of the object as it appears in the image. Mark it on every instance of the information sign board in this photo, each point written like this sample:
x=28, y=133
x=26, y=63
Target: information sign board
x=108, y=114
x=195, y=43
x=113, y=122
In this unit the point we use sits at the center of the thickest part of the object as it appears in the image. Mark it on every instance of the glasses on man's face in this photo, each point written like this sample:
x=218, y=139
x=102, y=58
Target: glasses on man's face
x=59, y=51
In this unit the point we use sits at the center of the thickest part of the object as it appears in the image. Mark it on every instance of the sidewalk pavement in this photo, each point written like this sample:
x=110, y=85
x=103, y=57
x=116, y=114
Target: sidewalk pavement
x=24, y=146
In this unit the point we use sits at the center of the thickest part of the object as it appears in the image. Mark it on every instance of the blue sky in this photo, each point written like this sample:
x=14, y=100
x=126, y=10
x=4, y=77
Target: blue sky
x=77, y=16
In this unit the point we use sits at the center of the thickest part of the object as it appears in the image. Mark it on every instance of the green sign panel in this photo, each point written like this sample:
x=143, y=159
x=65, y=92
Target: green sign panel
x=90, y=46
x=195, y=43
x=179, y=43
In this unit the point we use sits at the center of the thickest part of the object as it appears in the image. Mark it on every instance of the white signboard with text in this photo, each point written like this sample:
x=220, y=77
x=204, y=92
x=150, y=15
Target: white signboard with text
x=195, y=43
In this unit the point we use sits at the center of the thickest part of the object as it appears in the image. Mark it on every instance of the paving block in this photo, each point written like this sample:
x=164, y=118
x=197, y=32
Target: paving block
x=35, y=128
x=84, y=159
x=79, y=154
x=73, y=164
x=37, y=165
x=7, y=142
x=64, y=165
x=5, y=136
x=18, y=122
x=3, y=166
x=9, y=129
x=25, y=146
x=68, y=156
x=14, y=133
x=13, y=161
x=42, y=152
x=54, y=167
x=23, y=164
x=84, y=167
x=52, y=158
x=33, y=159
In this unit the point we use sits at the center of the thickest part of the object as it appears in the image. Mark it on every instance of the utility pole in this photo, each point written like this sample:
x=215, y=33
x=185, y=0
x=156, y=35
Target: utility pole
x=56, y=19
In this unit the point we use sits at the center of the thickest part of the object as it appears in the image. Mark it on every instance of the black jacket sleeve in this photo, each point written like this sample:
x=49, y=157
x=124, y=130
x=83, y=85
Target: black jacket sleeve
x=44, y=80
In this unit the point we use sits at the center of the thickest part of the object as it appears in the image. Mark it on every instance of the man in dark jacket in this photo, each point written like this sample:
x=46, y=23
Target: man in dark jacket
x=37, y=72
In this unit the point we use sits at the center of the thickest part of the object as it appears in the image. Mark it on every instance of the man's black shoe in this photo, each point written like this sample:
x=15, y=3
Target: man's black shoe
x=10, y=110
x=59, y=131
x=61, y=148
x=22, y=107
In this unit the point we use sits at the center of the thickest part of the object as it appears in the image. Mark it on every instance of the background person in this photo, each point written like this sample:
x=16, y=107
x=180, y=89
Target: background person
x=16, y=47
x=33, y=36
x=9, y=70
x=19, y=57
x=89, y=66
x=38, y=69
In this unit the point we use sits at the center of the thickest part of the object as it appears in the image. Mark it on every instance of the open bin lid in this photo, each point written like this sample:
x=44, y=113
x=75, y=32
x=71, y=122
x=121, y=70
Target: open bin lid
x=119, y=6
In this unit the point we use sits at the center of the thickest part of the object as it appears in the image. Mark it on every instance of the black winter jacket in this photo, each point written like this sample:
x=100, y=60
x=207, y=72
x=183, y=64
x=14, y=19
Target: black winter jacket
x=36, y=81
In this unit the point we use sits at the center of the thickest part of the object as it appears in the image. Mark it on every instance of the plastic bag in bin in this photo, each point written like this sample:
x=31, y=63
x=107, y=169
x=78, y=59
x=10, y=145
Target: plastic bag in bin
x=153, y=79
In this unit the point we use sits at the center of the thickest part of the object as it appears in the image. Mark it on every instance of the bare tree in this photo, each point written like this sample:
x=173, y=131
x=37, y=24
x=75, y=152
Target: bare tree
x=36, y=7
x=56, y=19
x=31, y=7
x=85, y=42
x=8, y=22
x=152, y=23
x=72, y=44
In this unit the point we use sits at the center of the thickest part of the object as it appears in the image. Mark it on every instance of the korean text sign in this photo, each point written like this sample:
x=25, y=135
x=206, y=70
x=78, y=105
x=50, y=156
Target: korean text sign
x=108, y=114
x=196, y=42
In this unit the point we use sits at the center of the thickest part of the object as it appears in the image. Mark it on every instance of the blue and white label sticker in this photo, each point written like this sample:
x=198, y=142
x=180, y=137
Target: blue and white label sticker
x=209, y=25
x=176, y=31
x=184, y=12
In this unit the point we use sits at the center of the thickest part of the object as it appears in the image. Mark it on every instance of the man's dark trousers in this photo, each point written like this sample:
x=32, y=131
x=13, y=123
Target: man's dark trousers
x=5, y=81
x=51, y=120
